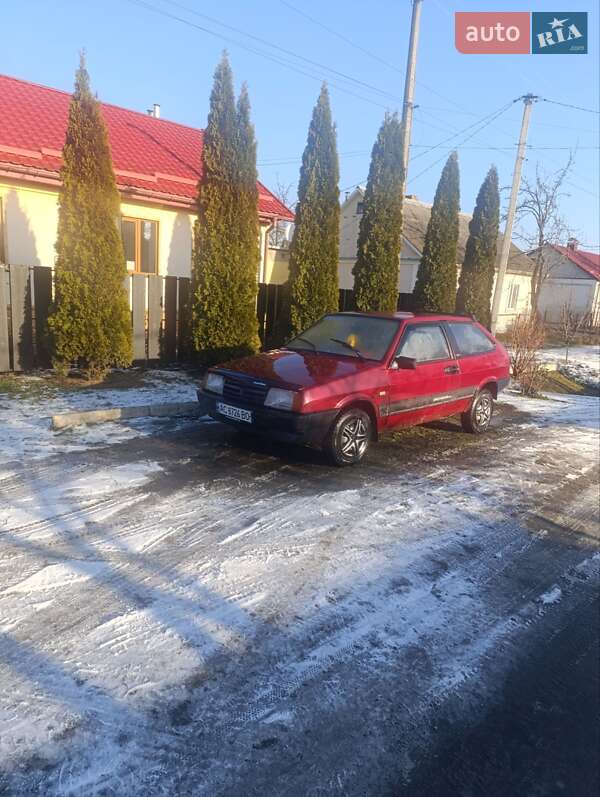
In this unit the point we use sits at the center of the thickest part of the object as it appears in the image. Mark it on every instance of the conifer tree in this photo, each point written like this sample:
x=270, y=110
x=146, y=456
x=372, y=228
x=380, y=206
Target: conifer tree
x=90, y=321
x=379, y=237
x=477, y=273
x=435, y=288
x=226, y=241
x=314, y=250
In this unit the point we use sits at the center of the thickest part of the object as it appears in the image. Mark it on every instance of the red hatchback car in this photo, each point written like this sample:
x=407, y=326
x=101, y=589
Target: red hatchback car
x=352, y=376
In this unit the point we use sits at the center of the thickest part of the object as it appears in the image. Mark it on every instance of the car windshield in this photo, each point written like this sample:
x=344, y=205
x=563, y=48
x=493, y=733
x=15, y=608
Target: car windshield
x=368, y=336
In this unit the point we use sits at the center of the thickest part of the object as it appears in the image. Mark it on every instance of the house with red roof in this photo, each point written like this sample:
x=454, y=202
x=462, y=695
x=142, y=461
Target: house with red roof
x=157, y=166
x=572, y=278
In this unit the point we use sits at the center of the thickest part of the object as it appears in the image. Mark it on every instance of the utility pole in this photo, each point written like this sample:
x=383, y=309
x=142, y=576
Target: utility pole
x=528, y=100
x=409, y=88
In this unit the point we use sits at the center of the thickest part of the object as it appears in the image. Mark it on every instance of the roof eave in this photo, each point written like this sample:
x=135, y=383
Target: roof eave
x=129, y=192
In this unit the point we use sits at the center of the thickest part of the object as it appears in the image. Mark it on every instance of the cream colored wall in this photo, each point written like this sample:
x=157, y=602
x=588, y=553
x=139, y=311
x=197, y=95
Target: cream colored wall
x=506, y=316
x=174, y=236
x=30, y=217
x=277, y=266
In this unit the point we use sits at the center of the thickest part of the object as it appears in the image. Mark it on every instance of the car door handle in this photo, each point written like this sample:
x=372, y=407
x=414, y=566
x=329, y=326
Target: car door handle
x=452, y=369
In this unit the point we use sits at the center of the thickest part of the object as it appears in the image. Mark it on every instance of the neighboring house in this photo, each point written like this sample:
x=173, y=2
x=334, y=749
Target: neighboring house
x=572, y=279
x=517, y=283
x=157, y=166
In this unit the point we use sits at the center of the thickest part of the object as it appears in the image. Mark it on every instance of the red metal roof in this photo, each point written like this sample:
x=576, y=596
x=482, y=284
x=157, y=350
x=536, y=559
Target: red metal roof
x=155, y=160
x=588, y=261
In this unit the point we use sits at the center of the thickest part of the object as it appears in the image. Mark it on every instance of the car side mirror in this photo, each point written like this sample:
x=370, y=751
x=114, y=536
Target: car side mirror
x=406, y=363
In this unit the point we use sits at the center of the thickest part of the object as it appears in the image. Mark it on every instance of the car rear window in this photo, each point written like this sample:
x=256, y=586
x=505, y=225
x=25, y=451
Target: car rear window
x=470, y=339
x=339, y=333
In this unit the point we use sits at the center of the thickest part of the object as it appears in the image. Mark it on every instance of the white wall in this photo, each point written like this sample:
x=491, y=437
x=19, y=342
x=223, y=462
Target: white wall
x=580, y=294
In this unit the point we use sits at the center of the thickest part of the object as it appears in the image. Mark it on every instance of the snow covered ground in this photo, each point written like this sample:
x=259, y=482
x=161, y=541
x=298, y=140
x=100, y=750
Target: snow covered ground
x=25, y=417
x=182, y=612
x=583, y=363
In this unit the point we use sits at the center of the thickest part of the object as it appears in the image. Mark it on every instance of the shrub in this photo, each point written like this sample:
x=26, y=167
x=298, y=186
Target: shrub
x=226, y=242
x=379, y=237
x=314, y=250
x=525, y=339
x=90, y=322
x=435, y=287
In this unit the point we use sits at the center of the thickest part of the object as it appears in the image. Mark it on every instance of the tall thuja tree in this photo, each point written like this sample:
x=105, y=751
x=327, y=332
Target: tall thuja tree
x=435, y=288
x=226, y=241
x=379, y=237
x=314, y=249
x=90, y=321
x=477, y=272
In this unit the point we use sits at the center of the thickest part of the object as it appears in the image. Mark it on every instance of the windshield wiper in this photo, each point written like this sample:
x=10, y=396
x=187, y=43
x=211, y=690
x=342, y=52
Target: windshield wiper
x=306, y=340
x=348, y=346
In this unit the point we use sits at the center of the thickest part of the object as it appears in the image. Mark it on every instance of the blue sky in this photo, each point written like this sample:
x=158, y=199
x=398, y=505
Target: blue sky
x=137, y=57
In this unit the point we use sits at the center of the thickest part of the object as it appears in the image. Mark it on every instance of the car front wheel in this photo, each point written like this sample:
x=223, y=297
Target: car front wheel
x=350, y=437
x=478, y=417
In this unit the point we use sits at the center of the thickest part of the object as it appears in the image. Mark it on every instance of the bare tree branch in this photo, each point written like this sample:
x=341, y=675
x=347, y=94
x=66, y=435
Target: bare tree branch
x=540, y=221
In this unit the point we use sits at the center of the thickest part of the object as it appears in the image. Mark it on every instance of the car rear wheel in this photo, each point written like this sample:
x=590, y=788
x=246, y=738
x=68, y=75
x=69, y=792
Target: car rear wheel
x=350, y=437
x=478, y=417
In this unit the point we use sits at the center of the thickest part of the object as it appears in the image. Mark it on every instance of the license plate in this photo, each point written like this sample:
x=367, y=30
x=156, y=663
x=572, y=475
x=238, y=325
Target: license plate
x=236, y=413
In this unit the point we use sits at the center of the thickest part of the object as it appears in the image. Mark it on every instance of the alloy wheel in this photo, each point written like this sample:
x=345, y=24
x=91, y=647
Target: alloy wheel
x=354, y=439
x=483, y=411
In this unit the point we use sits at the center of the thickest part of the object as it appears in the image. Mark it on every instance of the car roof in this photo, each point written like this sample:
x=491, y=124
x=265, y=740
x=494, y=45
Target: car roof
x=403, y=315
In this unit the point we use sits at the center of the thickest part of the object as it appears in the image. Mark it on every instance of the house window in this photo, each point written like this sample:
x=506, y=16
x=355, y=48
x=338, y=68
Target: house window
x=513, y=296
x=360, y=208
x=2, y=249
x=140, y=242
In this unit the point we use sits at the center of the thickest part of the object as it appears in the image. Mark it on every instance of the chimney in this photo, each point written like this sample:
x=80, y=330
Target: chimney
x=154, y=111
x=572, y=244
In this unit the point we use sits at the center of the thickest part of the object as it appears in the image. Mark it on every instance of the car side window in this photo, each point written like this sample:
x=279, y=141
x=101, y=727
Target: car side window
x=424, y=342
x=470, y=339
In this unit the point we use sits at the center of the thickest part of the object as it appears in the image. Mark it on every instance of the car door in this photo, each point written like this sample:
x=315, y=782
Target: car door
x=476, y=353
x=429, y=390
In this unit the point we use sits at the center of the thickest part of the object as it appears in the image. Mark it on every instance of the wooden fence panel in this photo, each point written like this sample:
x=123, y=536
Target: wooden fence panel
x=184, y=317
x=4, y=350
x=169, y=347
x=138, y=314
x=154, y=316
x=42, y=297
x=20, y=307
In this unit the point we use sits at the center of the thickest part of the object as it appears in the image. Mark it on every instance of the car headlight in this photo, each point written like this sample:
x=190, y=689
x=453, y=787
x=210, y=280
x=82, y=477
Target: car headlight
x=280, y=399
x=214, y=383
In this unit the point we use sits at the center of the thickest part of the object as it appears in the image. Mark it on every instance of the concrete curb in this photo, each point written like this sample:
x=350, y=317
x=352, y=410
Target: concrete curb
x=67, y=420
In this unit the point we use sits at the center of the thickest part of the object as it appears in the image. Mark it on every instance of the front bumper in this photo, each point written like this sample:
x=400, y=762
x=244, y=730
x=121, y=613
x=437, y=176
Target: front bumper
x=288, y=427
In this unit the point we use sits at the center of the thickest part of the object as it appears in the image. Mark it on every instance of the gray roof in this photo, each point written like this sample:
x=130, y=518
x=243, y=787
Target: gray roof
x=414, y=225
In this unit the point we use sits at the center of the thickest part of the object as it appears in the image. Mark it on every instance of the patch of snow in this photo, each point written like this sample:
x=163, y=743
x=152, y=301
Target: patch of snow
x=58, y=575
x=582, y=364
x=25, y=431
x=552, y=596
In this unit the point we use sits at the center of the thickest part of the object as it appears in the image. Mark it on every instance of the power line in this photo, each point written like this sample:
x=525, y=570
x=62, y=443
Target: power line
x=479, y=129
x=370, y=53
x=286, y=51
x=341, y=36
x=573, y=107
x=480, y=124
x=269, y=56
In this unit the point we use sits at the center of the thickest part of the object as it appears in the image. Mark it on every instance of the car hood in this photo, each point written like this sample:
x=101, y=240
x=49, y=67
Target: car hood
x=297, y=369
